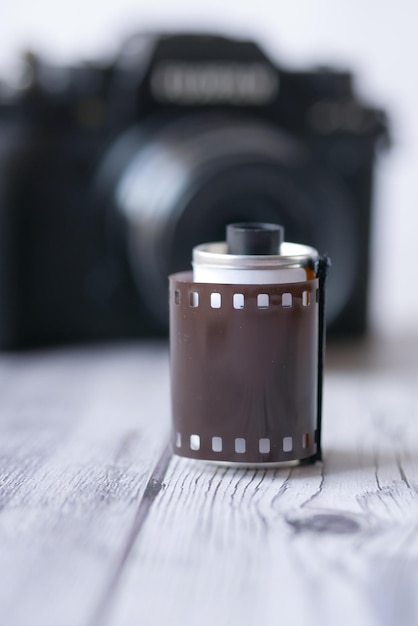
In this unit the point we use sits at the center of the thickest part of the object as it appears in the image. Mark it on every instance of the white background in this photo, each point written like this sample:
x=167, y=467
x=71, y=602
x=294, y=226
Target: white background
x=378, y=39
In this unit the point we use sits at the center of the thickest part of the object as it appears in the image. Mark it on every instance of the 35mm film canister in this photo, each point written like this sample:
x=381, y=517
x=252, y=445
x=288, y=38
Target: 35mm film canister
x=246, y=350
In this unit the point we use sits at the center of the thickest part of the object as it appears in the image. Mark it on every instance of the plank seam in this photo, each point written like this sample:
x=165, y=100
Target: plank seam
x=151, y=491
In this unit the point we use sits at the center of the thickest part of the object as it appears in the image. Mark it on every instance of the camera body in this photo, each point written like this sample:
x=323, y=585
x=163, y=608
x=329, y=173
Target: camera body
x=111, y=174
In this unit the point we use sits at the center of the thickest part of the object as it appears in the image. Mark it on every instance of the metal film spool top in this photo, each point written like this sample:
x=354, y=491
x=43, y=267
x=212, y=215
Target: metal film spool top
x=212, y=263
x=253, y=253
x=244, y=356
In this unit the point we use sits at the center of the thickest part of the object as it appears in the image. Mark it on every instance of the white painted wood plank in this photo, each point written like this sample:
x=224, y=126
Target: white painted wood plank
x=80, y=433
x=336, y=543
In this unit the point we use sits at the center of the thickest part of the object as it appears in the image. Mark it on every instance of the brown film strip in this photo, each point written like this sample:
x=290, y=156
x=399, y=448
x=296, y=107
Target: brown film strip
x=245, y=371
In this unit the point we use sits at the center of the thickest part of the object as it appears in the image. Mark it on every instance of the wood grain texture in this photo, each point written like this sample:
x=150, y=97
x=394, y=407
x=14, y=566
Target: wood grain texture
x=100, y=527
x=331, y=544
x=80, y=434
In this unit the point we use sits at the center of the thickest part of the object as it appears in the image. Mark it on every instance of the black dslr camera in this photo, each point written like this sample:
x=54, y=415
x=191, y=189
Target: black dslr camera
x=110, y=174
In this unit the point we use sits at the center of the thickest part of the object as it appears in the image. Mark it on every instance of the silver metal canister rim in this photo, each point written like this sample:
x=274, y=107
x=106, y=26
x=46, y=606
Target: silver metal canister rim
x=216, y=254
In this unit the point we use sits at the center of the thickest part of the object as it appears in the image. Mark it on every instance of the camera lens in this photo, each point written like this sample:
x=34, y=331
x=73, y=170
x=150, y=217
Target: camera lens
x=179, y=183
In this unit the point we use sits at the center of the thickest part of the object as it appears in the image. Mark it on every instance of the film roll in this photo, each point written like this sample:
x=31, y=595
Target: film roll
x=246, y=370
x=246, y=344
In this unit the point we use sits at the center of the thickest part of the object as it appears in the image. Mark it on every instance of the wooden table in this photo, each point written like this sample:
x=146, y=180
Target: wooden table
x=101, y=526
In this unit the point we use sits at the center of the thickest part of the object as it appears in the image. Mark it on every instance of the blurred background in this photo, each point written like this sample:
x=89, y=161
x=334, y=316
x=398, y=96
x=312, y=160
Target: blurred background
x=376, y=40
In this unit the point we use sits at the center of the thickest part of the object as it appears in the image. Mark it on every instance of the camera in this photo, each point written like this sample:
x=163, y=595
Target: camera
x=111, y=172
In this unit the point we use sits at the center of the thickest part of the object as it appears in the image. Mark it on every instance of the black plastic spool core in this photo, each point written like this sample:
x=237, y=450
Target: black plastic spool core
x=254, y=238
